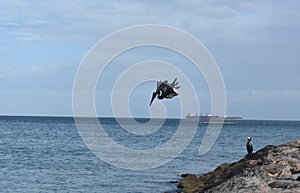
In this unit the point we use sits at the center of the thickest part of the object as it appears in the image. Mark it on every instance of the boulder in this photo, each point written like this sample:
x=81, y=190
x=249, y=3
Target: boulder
x=271, y=169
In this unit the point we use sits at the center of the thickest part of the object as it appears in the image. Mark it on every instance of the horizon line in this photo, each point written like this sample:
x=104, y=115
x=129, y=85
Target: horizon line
x=70, y=116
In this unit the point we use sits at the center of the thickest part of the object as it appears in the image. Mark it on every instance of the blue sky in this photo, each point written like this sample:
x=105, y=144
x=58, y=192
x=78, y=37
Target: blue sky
x=255, y=43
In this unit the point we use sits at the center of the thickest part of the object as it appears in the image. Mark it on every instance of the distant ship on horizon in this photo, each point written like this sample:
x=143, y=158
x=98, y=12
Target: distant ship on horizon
x=208, y=117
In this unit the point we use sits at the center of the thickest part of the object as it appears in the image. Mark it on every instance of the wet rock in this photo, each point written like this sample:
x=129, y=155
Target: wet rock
x=271, y=169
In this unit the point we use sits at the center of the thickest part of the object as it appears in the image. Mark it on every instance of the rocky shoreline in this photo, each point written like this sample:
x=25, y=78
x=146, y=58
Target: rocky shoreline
x=271, y=169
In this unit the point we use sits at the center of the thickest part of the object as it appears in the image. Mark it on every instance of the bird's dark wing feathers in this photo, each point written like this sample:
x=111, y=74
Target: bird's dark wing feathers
x=171, y=95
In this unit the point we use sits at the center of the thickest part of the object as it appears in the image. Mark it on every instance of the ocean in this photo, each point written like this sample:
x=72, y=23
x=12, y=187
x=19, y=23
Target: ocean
x=47, y=154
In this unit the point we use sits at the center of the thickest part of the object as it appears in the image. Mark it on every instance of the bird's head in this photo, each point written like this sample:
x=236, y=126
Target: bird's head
x=249, y=138
x=158, y=83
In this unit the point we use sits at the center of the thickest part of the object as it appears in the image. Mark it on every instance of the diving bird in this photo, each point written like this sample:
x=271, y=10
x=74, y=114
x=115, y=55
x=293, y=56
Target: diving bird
x=165, y=90
x=249, y=146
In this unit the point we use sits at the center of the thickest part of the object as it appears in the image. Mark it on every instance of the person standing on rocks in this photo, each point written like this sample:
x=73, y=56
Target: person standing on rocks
x=249, y=146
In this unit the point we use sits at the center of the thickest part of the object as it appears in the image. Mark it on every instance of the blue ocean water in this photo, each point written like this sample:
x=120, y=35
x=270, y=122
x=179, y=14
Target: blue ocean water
x=47, y=154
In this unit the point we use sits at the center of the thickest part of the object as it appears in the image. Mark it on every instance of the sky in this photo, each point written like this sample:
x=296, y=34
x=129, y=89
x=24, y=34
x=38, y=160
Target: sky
x=255, y=44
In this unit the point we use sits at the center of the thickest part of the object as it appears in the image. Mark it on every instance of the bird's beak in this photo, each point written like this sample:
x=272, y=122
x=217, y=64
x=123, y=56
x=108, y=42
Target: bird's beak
x=153, y=97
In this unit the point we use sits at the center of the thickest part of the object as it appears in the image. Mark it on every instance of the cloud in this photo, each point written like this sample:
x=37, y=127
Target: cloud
x=264, y=104
x=91, y=20
x=254, y=42
x=20, y=72
x=247, y=96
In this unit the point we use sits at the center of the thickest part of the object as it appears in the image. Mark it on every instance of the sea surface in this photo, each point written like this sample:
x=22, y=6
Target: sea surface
x=47, y=154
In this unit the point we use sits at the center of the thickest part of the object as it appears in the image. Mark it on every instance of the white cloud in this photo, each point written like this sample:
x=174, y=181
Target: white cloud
x=20, y=72
x=246, y=96
x=228, y=27
x=90, y=20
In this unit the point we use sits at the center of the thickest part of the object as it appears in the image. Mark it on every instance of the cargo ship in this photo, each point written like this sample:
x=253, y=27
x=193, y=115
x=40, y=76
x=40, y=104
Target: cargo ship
x=209, y=117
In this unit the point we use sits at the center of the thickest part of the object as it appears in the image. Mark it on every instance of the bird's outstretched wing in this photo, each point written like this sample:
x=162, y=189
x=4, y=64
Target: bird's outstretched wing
x=174, y=84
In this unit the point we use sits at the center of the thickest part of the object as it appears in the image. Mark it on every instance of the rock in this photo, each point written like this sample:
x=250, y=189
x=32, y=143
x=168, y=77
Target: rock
x=271, y=169
x=188, y=181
